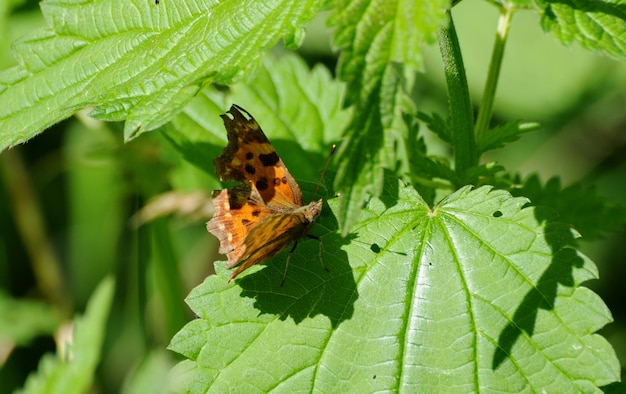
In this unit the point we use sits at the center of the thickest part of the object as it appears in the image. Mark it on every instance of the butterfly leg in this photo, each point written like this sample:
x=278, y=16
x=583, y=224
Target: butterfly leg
x=318, y=239
x=282, y=282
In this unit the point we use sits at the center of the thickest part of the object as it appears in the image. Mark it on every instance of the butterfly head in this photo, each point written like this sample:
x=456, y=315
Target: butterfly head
x=312, y=211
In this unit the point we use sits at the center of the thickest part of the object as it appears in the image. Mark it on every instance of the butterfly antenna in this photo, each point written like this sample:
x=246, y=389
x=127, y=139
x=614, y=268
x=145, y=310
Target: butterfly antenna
x=332, y=151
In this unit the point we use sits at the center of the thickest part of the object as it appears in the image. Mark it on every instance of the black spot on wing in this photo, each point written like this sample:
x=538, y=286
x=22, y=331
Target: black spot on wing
x=262, y=184
x=269, y=159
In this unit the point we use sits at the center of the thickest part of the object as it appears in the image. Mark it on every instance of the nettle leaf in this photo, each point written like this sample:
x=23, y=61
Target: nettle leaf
x=380, y=42
x=137, y=60
x=508, y=132
x=437, y=124
x=433, y=167
x=476, y=293
x=484, y=173
x=24, y=320
x=73, y=372
x=150, y=375
x=580, y=206
x=596, y=25
x=298, y=108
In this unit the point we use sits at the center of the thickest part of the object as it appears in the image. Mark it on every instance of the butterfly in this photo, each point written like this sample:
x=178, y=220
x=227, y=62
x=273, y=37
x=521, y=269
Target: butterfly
x=257, y=219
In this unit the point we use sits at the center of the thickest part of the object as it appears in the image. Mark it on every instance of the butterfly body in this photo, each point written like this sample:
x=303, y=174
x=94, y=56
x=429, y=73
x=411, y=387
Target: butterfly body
x=259, y=218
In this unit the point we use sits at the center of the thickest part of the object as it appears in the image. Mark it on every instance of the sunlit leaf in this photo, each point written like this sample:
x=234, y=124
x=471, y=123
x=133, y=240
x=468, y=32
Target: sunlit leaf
x=475, y=293
x=597, y=25
x=298, y=108
x=380, y=42
x=137, y=60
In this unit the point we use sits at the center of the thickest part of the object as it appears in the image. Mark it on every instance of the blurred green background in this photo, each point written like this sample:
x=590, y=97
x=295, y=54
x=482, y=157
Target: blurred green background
x=66, y=196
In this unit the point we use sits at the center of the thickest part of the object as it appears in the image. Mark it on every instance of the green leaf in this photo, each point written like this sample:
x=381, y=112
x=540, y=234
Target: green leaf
x=597, y=25
x=380, y=42
x=151, y=375
x=484, y=173
x=508, y=132
x=475, y=294
x=137, y=60
x=23, y=320
x=73, y=372
x=437, y=124
x=298, y=108
x=432, y=167
x=577, y=205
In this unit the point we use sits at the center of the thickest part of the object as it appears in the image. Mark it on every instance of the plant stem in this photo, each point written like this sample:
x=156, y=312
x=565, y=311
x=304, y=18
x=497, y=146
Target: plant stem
x=31, y=227
x=486, y=106
x=167, y=278
x=461, y=116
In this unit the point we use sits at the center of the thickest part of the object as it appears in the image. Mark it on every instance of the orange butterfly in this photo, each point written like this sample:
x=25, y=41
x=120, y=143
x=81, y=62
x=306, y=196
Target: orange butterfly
x=258, y=219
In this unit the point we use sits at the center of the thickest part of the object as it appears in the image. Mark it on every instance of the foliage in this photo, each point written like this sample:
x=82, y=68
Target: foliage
x=24, y=320
x=72, y=370
x=407, y=315
x=433, y=284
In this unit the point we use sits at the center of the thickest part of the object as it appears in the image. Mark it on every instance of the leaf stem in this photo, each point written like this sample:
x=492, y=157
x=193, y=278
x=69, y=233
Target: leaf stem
x=461, y=116
x=486, y=106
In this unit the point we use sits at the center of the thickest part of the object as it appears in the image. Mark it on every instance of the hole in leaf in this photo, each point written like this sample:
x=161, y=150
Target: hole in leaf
x=497, y=214
x=375, y=248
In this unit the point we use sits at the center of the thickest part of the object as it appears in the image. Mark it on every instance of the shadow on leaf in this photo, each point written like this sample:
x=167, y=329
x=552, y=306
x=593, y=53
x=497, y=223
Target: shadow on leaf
x=309, y=290
x=543, y=295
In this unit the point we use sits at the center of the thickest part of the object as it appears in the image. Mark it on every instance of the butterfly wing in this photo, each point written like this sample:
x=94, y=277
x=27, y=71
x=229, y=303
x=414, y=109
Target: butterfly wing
x=237, y=210
x=249, y=232
x=258, y=219
x=259, y=248
x=250, y=158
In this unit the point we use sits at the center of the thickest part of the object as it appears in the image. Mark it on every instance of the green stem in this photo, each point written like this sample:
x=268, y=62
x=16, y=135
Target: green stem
x=167, y=278
x=486, y=106
x=31, y=228
x=461, y=118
